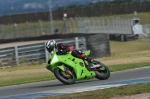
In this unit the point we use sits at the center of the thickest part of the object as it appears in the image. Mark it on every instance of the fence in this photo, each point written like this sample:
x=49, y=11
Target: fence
x=111, y=25
x=33, y=52
x=146, y=29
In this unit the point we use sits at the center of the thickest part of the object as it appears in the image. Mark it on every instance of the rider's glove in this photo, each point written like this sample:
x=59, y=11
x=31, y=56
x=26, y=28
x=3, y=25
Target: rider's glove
x=60, y=52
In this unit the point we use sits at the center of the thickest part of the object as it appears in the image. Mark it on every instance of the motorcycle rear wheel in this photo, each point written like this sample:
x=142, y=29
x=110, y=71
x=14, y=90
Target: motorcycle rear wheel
x=64, y=77
x=103, y=74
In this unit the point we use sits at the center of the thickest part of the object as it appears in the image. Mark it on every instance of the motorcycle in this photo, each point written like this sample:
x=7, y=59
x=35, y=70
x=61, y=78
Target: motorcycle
x=69, y=69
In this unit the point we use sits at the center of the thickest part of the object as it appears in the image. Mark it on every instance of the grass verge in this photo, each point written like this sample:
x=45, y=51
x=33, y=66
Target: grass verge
x=121, y=67
x=127, y=90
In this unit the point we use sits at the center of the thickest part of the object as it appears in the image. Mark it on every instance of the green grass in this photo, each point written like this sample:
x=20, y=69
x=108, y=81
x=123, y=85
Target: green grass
x=107, y=93
x=24, y=78
x=120, y=67
x=121, y=48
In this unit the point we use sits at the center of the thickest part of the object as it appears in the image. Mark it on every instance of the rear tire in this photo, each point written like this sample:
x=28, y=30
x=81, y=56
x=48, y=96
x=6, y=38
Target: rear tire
x=103, y=74
x=64, y=77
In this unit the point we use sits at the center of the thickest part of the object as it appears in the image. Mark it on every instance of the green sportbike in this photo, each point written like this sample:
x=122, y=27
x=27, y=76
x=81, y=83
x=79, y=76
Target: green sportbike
x=69, y=69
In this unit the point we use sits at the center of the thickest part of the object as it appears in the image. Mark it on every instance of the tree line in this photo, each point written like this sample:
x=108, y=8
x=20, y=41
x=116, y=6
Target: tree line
x=104, y=3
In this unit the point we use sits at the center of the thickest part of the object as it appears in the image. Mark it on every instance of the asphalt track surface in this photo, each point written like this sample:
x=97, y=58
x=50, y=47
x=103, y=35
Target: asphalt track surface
x=128, y=76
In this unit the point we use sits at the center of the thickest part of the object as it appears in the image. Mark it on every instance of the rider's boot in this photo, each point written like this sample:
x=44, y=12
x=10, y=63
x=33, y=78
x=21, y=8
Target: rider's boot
x=89, y=60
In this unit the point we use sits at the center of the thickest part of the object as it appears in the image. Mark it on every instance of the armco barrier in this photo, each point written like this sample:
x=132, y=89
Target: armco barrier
x=34, y=52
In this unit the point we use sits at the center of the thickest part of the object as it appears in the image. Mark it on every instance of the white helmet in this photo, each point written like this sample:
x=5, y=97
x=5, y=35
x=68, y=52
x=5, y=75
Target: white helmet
x=50, y=45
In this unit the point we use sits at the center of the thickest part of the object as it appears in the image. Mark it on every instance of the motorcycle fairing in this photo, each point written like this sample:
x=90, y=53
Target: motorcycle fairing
x=80, y=71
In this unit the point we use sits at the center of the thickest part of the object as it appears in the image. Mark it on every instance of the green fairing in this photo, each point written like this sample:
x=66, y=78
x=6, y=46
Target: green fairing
x=87, y=52
x=77, y=64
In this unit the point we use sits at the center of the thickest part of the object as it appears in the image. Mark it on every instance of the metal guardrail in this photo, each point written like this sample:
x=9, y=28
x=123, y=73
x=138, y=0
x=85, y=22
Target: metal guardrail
x=34, y=52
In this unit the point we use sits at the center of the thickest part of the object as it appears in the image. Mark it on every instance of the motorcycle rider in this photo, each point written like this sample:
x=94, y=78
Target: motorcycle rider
x=62, y=48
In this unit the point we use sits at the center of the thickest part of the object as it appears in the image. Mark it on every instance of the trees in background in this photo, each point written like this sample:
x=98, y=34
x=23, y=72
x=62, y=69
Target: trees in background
x=100, y=3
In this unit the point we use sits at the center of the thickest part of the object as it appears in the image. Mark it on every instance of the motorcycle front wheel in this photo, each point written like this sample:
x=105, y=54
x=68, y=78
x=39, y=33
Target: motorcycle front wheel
x=102, y=73
x=66, y=77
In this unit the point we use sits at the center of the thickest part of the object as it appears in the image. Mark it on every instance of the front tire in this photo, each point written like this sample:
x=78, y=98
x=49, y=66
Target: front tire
x=103, y=74
x=64, y=77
